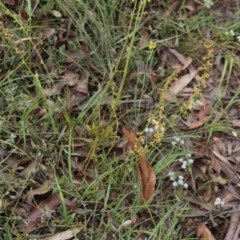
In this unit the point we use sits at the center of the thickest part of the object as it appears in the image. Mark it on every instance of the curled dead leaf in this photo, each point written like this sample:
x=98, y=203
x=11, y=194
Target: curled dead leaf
x=64, y=235
x=146, y=172
x=201, y=116
x=182, y=82
x=233, y=229
x=203, y=232
x=70, y=79
x=46, y=187
x=35, y=217
x=185, y=61
x=82, y=85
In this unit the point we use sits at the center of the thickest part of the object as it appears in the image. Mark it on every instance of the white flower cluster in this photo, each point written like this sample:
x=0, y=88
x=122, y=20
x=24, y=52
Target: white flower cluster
x=156, y=127
x=231, y=33
x=149, y=130
x=186, y=162
x=176, y=140
x=177, y=180
x=12, y=137
x=208, y=3
x=219, y=202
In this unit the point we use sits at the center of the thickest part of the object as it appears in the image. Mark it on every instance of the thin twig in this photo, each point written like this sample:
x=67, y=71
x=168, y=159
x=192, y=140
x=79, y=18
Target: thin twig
x=233, y=224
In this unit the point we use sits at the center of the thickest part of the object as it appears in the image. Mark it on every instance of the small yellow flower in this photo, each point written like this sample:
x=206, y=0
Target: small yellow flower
x=151, y=45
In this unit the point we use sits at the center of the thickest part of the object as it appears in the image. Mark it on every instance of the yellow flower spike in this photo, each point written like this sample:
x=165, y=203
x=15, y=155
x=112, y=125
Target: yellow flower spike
x=151, y=45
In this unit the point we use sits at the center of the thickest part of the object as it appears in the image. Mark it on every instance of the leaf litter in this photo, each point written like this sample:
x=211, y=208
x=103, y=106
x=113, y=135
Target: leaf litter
x=147, y=174
x=214, y=174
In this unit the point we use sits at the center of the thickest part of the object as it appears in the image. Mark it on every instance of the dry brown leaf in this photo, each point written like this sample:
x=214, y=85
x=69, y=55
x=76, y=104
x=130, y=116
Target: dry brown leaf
x=182, y=82
x=204, y=207
x=182, y=59
x=192, y=7
x=233, y=231
x=236, y=123
x=3, y=153
x=222, y=158
x=30, y=168
x=227, y=168
x=70, y=79
x=199, y=175
x=82, y=84
x=64, y=235
x=147, y=174
x=48, y=32
x=46, y=187
x=195, y=125
x=55, y=90
x=172, y=8
x=74, y=56
x=35, y=217
x=201, y=116
x=208, y=193
x=203, y=232
x=143, y=40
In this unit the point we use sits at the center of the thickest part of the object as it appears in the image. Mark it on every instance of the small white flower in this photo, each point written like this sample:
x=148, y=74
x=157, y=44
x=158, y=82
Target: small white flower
x=208, y=3
x=148, y=130
x=12, y=137
x=184, y=166
x=238, y=38
x=180, y=160
x=219, y=202
x=189, y=154
x=190, y=161
x=180, y=182
x=184, y=162
x=185, y=185
x=175, y=184
x=162, y=129
x=171, y=175
x=177, y=139
x=231, y=33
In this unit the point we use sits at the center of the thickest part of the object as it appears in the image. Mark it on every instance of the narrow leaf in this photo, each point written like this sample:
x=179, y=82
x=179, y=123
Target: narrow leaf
x=147, y=174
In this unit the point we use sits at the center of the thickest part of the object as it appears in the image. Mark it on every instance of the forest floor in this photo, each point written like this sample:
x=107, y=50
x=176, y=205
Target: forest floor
x=119, y=119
